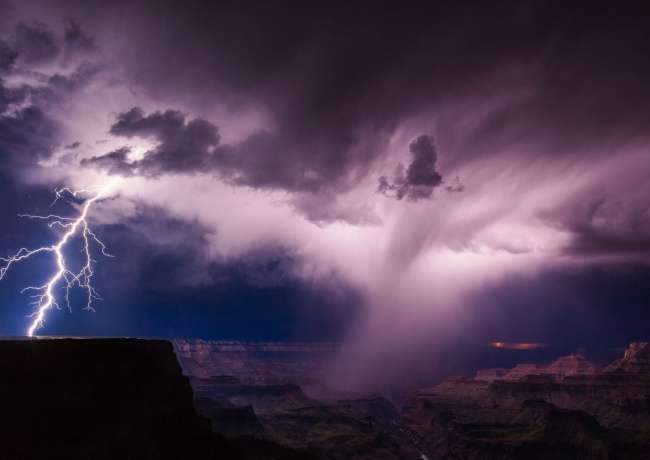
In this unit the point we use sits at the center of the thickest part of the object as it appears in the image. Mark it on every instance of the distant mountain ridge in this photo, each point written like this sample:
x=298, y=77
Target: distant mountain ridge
x=568, y=409
x=189, y=345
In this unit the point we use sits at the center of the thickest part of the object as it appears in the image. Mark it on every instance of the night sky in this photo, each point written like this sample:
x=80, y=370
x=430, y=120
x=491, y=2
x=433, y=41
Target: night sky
x=412, y=182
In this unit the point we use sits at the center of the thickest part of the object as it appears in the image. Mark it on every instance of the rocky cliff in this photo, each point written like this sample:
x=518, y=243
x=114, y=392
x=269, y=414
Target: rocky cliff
x=258, y=389
x=567, y=409
x=254, y=362
x=106, y=399
x=636, y=360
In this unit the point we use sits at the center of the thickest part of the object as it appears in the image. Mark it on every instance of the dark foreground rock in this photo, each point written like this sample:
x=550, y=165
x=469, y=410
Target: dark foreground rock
x=107, y=399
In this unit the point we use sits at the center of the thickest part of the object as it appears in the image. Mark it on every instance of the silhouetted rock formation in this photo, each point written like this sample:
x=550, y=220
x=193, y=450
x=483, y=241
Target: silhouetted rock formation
x=106, y=399
x=263, y=398
x=230, y=420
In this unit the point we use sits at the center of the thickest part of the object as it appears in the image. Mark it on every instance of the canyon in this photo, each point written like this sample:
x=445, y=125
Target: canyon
x=152, y=399
x=569, y=408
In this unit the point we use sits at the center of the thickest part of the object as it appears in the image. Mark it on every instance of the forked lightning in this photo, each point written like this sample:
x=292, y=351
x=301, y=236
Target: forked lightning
x=44, y=295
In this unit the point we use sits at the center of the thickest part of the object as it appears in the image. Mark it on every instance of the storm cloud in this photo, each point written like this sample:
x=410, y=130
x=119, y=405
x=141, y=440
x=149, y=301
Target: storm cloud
x=520, y=131
x=193, y=146
x=421, y=176
x=7, y=57
x=30, y=129
x=35, y=43
x=27, y=136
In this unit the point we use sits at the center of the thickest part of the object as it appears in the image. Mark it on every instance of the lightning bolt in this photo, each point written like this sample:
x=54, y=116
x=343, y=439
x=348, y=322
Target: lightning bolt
x=44, y=297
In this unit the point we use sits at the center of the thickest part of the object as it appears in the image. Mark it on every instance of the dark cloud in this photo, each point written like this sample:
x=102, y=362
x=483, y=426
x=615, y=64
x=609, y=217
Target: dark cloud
x=35, y=43
x=75, y=39
x=191, y=146
x=263, y=160
x=115, y=162
x=73, y=145
x=28, y=131
x=81, y=75
x=422, y=170
x=606, y=226
x=455, y=186
x=54, y=92
x=183, y=146
x=59, y=88
x=25, y=137
x=420, y=178
x=9, y=96
x=325, y=71
x=7, y=57
x=335, y=81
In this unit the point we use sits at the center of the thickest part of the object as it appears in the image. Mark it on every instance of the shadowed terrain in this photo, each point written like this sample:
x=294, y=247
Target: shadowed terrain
x=128, y=399
x=570, y=408
x=107, y=399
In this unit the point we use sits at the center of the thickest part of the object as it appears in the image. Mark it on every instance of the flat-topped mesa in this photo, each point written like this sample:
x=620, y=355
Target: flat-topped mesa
x=98, y=398
x=636, y=360
x=574, y=364
x=522, y=370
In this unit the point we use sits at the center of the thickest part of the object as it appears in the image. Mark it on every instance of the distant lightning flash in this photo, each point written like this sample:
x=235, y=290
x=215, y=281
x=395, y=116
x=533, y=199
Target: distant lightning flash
x=45, y=297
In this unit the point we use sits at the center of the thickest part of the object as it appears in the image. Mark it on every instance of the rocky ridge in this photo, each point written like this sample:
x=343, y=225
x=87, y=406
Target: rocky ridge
x=567, y=409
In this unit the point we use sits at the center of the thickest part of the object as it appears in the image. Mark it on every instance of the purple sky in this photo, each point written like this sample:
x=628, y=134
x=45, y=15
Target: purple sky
x=450, y=174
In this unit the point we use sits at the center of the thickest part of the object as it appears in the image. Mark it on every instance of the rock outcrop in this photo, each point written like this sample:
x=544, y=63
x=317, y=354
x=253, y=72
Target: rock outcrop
x=523, y=370
x=98, y=399
x=107, y=399
x=567, y=409
x=490, y=375
x=262, y=398
x=574, y=364
x=254, y=362
x=257, y=389
x=230, y=420
x=636, y=360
